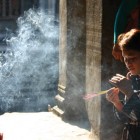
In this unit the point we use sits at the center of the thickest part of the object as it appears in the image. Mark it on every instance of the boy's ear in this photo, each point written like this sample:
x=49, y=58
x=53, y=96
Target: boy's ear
x=129, y=75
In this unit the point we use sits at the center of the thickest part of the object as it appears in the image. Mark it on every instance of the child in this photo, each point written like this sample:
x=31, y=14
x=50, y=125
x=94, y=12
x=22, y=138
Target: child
x=130, y=85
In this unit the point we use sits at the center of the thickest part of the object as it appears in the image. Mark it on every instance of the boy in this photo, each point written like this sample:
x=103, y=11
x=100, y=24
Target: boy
x=130, y=86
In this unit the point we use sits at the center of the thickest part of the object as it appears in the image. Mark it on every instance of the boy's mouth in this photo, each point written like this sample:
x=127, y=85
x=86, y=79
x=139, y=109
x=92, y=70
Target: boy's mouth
x=130, y=68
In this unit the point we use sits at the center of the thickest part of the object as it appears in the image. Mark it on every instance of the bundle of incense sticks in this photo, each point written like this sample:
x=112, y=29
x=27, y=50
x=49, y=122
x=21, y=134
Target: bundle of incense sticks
x=91, y=95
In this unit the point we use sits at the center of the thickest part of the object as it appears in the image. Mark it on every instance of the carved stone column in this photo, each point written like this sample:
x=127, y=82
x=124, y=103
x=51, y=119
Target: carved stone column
x=72, y=56
x=62, y=57
x=76, y=58
x=100, y=65
x=93, y=63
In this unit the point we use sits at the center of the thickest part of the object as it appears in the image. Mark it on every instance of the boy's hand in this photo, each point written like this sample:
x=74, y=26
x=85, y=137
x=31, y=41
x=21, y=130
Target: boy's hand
x=124, y=85
x=112, y=95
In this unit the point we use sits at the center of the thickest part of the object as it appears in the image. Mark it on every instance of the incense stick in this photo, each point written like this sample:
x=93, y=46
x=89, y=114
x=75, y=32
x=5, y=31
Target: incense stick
x=91, y=95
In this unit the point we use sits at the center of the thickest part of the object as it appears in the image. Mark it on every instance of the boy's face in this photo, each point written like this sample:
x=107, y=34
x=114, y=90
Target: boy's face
x=132, y=61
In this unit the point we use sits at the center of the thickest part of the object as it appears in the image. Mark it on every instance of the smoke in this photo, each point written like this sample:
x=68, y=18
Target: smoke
x=29, y=68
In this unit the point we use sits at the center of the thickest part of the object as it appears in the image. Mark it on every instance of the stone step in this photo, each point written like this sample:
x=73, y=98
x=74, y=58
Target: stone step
x=56, y=110
x=61, y=90
x=60, y=101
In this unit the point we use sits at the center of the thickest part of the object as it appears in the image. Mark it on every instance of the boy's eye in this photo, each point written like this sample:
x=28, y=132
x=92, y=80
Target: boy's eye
x=130, y=60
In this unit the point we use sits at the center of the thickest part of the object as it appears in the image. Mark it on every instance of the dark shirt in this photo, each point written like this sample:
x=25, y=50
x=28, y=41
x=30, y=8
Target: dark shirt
x=132, y=106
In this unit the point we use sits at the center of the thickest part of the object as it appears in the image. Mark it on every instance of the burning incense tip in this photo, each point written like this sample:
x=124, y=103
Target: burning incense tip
x=91, y=95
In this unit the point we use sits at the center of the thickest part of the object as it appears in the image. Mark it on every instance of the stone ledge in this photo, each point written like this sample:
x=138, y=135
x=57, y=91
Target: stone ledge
x=57, y=111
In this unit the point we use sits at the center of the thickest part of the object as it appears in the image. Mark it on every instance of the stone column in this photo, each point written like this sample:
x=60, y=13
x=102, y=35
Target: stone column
x=76, y=60
x=100, y=66
x=72, y=56
x=62, y=43
x=93, y=63
x=59, y=108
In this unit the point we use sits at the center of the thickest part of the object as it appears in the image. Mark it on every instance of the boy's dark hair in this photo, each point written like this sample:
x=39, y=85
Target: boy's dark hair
x=130, y=40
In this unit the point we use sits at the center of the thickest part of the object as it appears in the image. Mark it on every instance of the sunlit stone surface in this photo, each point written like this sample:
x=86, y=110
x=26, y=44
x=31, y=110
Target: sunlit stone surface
x=41, y=126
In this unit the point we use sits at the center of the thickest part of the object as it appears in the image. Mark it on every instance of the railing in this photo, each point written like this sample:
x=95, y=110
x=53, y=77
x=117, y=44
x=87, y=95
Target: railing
x=10, y=8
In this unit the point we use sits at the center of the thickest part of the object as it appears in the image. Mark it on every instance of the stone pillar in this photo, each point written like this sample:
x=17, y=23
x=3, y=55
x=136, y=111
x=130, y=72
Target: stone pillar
x=93, y=63
x=100, y=66
x=28, y=4
x=62, y=44
x=62, y=57
x=76, y=60
x=72, y=56
x=22, y=7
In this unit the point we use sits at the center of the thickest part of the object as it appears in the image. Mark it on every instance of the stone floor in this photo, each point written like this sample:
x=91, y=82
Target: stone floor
x=41, y=126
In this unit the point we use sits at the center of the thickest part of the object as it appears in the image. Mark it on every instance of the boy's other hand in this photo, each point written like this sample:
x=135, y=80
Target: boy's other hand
x=124, y=85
